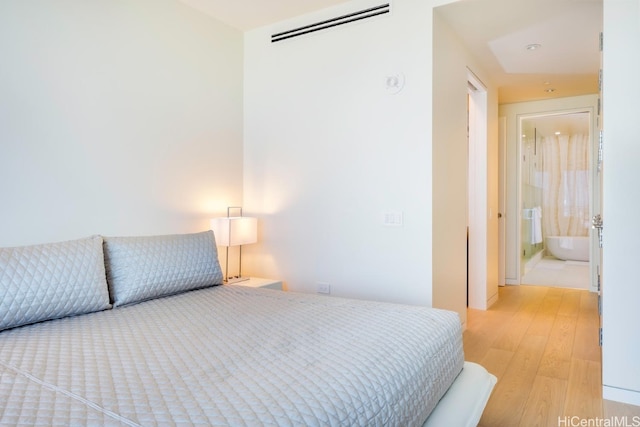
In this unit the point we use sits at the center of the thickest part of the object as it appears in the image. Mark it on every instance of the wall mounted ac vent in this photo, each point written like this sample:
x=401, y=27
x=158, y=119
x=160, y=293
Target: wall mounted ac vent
x=333, y=22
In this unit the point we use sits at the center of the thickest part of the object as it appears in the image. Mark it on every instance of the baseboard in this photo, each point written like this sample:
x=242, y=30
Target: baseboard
x=629, y=397
x=492, y=300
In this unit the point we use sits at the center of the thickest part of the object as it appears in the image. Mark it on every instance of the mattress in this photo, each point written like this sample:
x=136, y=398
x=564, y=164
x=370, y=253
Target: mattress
x=232, y=355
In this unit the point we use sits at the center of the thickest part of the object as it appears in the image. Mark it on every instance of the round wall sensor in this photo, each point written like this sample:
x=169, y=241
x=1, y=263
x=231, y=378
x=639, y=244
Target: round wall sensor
x=394, y=82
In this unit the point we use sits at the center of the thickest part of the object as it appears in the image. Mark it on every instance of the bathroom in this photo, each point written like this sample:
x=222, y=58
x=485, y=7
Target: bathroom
x=555, y=196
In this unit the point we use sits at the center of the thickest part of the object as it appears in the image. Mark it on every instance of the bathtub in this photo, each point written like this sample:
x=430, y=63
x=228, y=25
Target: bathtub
x=568, y=248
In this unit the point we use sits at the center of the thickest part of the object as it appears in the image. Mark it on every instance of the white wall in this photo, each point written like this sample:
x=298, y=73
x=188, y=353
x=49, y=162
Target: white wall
x=452, y=62
x=512, y=113
x=328, y=150
x=621, y=292
x=116, y=117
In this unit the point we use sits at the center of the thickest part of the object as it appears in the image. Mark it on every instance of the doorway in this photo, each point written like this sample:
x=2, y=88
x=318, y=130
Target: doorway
x=556, y=196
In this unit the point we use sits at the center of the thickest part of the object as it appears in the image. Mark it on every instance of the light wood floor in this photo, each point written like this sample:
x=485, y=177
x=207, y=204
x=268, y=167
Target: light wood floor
x=542, y=344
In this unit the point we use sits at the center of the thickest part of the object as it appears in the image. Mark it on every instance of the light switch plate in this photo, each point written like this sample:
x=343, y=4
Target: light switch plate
x=392, y=219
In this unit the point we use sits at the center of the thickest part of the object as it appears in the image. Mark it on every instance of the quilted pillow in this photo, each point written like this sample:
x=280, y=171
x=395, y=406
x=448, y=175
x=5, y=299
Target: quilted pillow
x=50, y=281
x=142, y=268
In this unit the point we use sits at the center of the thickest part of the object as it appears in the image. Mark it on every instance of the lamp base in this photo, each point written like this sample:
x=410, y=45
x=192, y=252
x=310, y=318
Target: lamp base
x=236, y=279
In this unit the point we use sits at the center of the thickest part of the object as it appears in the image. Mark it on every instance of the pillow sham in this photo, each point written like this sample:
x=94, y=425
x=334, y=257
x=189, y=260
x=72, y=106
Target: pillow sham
x=147, y=267
x=50, y=281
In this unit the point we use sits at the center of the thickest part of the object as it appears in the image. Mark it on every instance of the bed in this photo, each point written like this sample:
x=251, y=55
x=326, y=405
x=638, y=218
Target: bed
x=138, y=331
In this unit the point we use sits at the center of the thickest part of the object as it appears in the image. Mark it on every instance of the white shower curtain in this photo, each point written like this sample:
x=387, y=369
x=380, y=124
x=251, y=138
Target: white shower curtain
x=565, y=194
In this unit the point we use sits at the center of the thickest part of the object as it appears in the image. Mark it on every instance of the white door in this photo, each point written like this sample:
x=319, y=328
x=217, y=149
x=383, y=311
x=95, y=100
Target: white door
x=502, y=224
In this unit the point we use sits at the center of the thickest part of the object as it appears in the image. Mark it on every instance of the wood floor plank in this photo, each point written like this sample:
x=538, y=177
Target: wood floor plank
x=544, y=318
x=539, y=342
x=584, y=390
x=511, y=337
x=570, y=304
x=613, y=409
x=556, y=360
x=509, y=299
x=534, y=297
x=545, y=403
x=496, y=361
x=512, y=391
x=482, y=329
x=589, y=304
x=586, y=344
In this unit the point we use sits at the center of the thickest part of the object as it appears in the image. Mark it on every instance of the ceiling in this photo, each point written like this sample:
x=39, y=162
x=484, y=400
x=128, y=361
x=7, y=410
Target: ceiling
x=567, y=60
x=559, y=124
x=566, y=63
x=249, y=14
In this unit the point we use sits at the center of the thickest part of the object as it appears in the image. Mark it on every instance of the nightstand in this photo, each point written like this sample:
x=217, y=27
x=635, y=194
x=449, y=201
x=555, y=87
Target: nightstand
x=259, y=282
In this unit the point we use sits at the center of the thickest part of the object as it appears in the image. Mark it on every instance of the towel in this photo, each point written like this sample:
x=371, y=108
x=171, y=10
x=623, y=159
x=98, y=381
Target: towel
x=536, y=225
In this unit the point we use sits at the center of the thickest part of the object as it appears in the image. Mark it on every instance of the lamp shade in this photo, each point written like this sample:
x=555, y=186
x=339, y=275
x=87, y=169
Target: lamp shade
x=235, y=230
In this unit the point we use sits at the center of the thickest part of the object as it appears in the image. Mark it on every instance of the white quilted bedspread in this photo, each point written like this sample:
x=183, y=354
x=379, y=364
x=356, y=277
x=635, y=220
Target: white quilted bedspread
x=233, y=356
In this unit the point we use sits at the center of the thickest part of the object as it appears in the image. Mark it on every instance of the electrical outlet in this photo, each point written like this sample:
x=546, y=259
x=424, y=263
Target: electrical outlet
x=323, y=288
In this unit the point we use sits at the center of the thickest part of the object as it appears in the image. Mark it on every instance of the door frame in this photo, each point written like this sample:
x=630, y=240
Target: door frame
x=594, y=190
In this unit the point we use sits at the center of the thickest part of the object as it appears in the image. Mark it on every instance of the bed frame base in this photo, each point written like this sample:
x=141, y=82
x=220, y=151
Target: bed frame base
x=463, y=404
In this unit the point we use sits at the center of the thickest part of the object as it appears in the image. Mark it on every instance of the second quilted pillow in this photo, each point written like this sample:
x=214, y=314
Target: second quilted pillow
x=147, y=267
